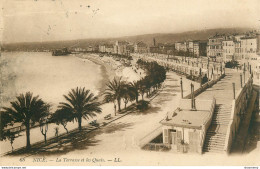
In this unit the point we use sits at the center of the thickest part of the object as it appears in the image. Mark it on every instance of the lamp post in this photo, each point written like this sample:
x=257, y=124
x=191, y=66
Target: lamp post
x=241, y=80
x=181, y=88
x=234, y=91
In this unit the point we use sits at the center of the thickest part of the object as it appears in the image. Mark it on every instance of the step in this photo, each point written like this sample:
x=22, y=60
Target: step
x=212, y=132
x=215, y=135
x=215, y=143
x=220, y=120
x=221, y=117
x=222, y=114
x=220, y=123
x=221, y=111
x=213, y=149
x=215, y=138
x=213, y=152
x=224, y=119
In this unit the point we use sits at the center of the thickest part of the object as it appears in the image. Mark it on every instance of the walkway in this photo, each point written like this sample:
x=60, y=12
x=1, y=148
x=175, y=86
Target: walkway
x=222, y=91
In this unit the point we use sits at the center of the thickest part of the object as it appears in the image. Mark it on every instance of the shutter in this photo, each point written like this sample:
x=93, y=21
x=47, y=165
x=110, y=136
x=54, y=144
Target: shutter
x=178, y=141
x=166, y=137
x=174, y=138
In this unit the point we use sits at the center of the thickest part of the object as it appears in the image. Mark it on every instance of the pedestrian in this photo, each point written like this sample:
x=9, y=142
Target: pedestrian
x=56, y=131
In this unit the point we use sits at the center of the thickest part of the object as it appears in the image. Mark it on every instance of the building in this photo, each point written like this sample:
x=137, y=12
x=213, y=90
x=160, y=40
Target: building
x=183, y=47
x=178, y=46
x=154, y=49
x=109, y=48
x=102, y=48
x=249, y=54
x=141, y=47
x=130, y=49
x=184, y=130
x=90, y=49
x=228, y=50
x=168, y=48
x=120, y=48
x=196, y=49
x=214, y=47
x=202, y=48
x=190, y=46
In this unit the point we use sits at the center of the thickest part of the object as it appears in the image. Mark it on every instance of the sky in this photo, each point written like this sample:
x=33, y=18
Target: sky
x=54, y=20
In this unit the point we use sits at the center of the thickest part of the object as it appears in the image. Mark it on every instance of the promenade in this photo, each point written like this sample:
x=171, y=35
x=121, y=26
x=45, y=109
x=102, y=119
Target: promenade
x=124, y=133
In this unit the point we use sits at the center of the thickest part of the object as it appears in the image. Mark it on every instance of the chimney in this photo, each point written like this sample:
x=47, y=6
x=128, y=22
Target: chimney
x=154, y=42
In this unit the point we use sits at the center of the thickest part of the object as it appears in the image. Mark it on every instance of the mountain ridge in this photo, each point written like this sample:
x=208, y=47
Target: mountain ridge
x=169, y=38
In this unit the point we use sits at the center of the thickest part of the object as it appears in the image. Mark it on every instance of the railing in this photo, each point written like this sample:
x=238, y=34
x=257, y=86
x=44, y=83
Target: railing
x=239, y=105
x=150, y=136
x=206, y=124
x=205, y=86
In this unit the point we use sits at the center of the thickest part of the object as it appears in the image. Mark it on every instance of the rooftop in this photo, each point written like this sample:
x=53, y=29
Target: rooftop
x=187, y=118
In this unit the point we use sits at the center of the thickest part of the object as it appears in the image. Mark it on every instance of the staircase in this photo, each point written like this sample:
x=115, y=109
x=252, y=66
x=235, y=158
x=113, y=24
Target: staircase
x=216, y=134
x=221, y=115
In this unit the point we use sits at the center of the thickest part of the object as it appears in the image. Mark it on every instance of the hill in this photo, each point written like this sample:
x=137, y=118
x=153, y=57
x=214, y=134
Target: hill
x=147, y=38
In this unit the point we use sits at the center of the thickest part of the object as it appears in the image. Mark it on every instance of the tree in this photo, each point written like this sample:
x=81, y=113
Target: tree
x=62, y=116
x=11, y=136
x=135, y=88
x=142, y=88
x=5, y=120
x=127, y=93
x=80, y=103
x=114, y=91
x=27, y=110
x=110, y=97
x=44, y=126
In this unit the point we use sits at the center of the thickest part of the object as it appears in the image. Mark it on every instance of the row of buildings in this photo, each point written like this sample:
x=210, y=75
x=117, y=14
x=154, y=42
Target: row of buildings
x=243, y=48
x=195, y=48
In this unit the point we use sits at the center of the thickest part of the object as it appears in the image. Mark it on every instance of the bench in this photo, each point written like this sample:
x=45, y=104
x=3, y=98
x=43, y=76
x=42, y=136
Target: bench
x=107, y=117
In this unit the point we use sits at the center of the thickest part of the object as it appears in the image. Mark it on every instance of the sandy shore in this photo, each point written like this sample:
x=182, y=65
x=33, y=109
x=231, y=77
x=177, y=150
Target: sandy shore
x=107, y=71
x=111, y=69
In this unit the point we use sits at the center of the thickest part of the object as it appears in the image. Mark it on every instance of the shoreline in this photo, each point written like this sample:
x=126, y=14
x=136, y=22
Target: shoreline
x=107, y=72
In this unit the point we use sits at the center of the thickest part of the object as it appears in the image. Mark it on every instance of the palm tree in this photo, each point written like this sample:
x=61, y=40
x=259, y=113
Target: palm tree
x=114, y=91
x=81, y=103
x=27, y=109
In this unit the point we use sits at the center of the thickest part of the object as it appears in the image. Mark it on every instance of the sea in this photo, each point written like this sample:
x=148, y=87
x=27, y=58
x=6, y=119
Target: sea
x=45, y=75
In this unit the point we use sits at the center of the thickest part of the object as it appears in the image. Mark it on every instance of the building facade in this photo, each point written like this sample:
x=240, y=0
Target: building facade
x=214, y=48
x=141, y=47
x=228, y=50
x=120, y=48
